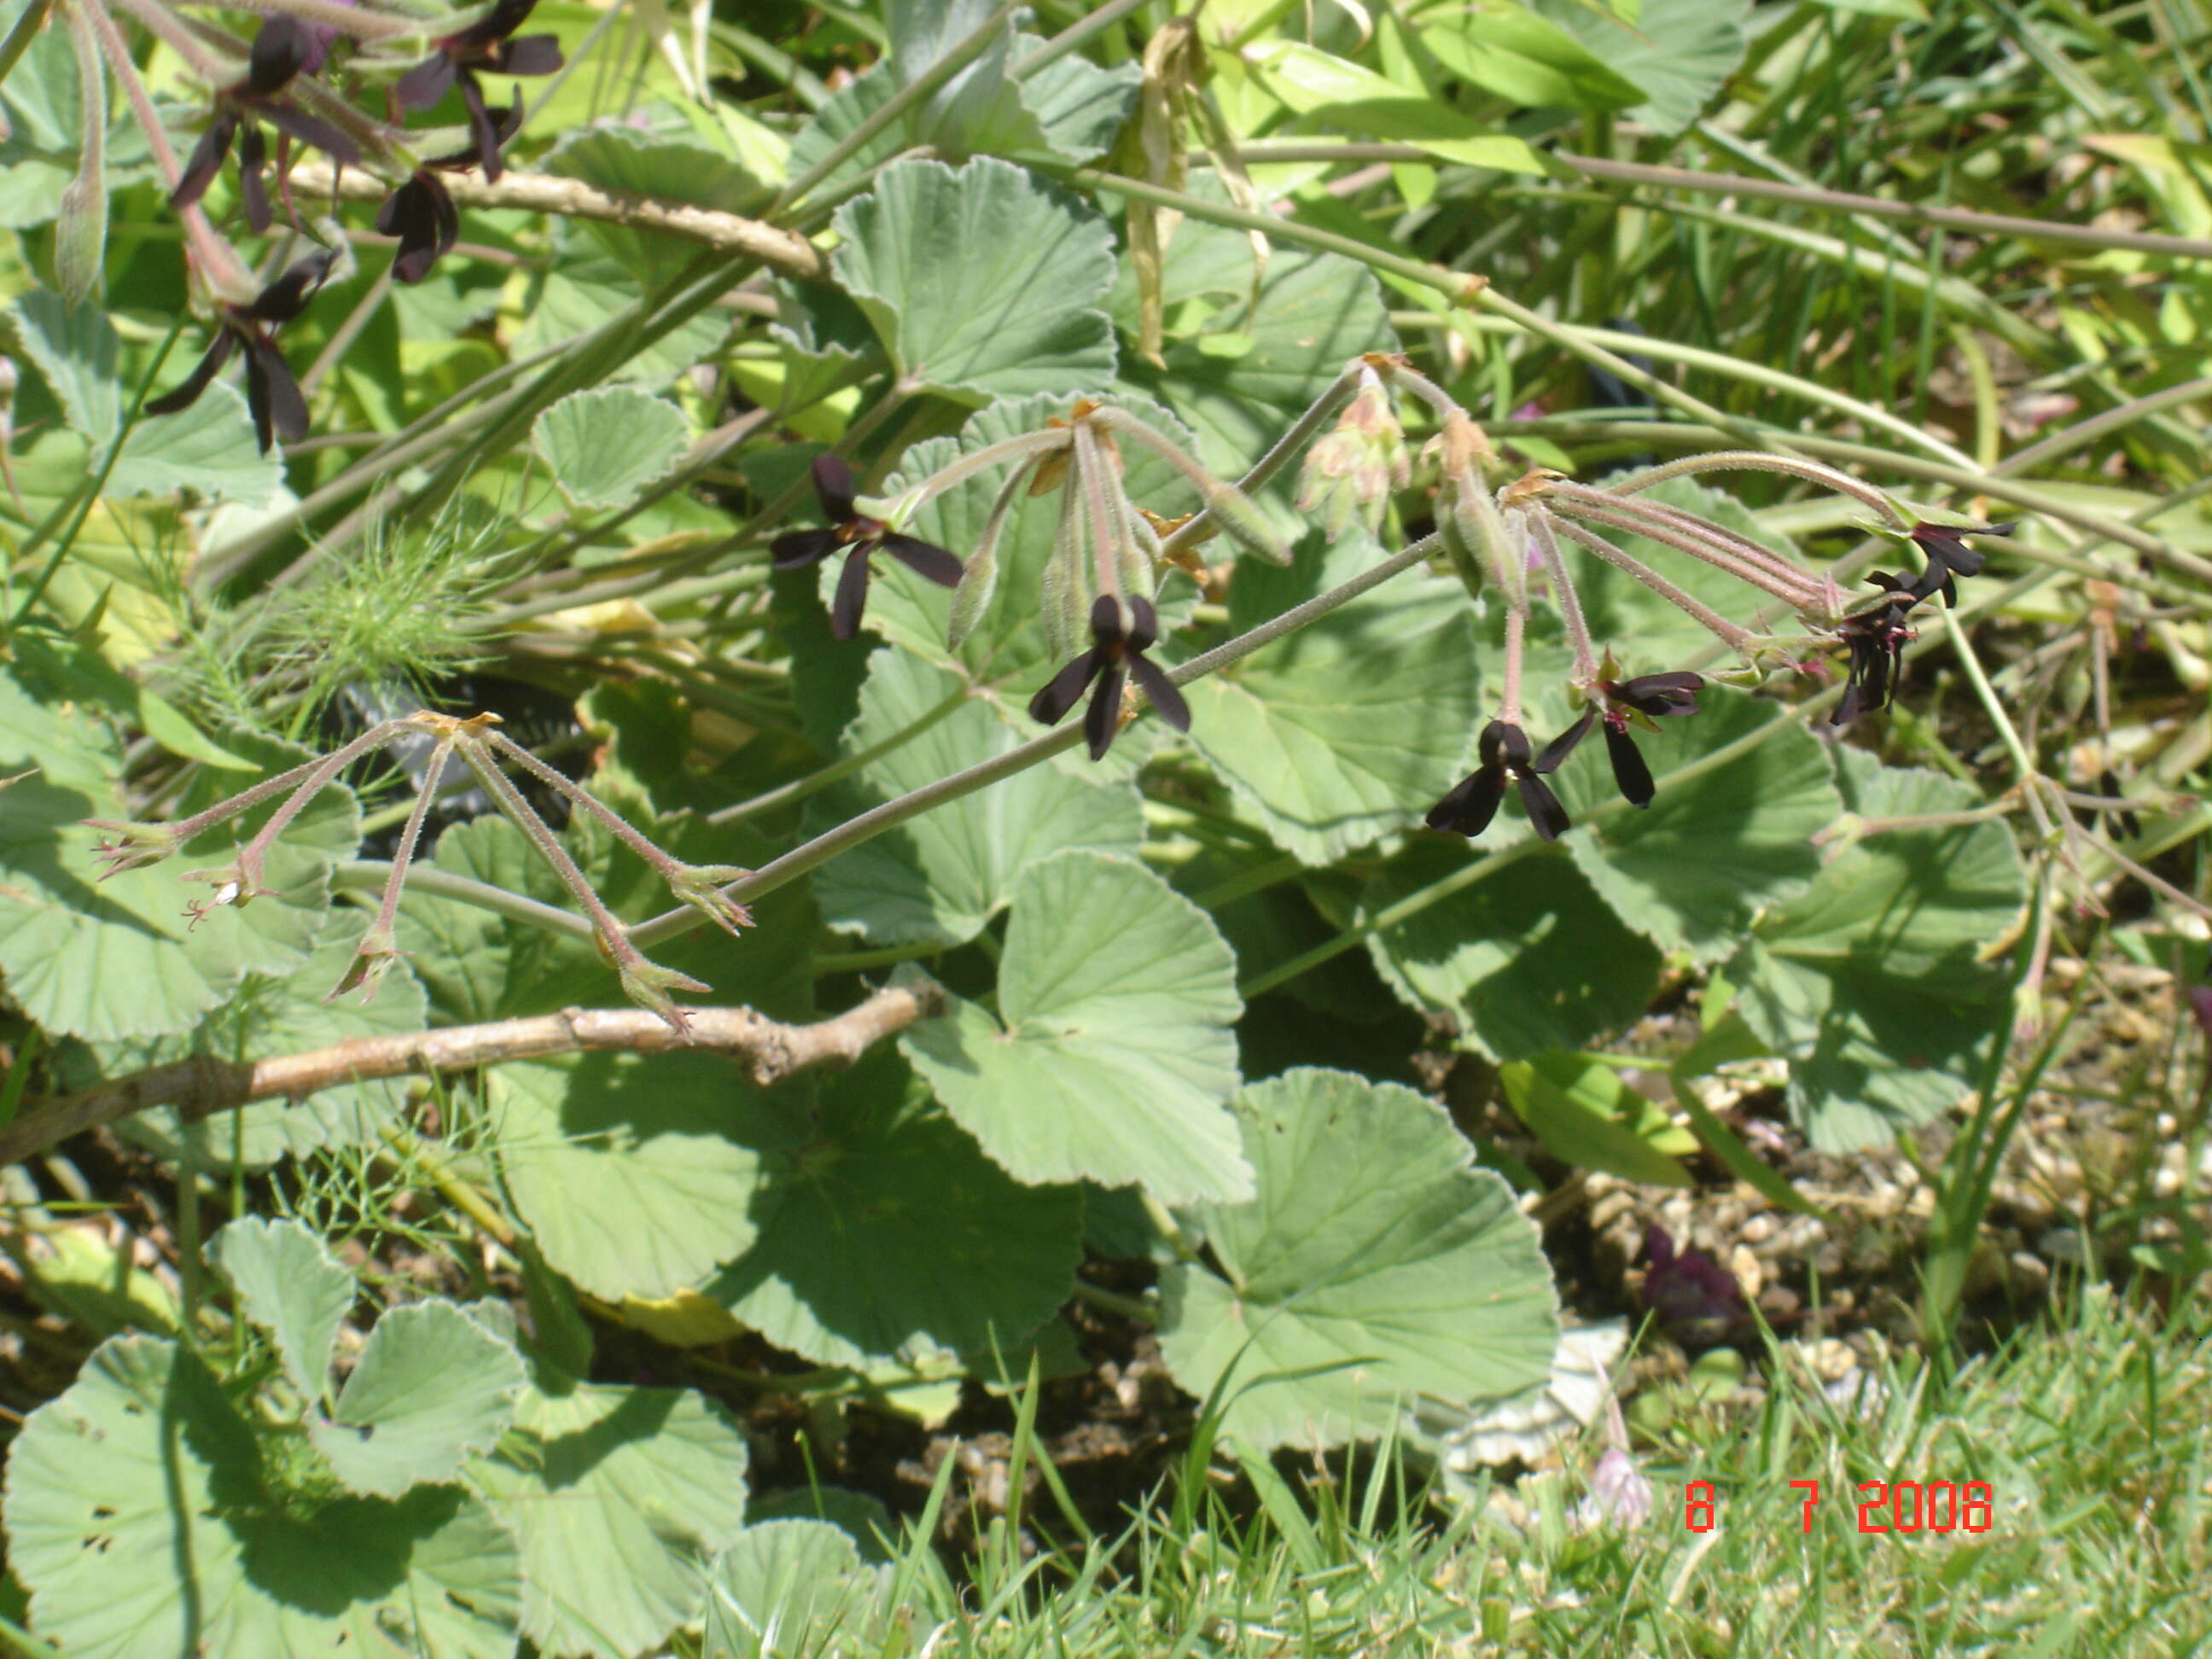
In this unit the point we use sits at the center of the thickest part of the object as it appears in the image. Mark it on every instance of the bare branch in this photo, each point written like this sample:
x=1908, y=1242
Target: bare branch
x=781, y=251
x=202, y=1086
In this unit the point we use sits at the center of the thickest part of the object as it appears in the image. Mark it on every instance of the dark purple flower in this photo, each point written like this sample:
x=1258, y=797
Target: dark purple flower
x=283, y=48
x=1944, y=548
x=1503, y=752
x=279, y=409
x=852, y=529
x=1119, y=641
x=484, y=47
x=420, y=211
x=1691, y=1295
x=1877, y=639
x=1653, y=697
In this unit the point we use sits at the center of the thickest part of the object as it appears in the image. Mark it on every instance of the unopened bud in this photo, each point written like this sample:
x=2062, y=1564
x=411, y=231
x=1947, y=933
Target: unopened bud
x=1354, y=469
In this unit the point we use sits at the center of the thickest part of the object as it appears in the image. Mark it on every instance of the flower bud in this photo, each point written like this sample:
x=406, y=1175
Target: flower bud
x=1354, y=469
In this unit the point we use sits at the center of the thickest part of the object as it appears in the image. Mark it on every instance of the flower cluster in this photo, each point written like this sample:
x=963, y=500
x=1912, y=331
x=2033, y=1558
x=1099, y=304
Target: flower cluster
x=1877, y=637
x=285, y=88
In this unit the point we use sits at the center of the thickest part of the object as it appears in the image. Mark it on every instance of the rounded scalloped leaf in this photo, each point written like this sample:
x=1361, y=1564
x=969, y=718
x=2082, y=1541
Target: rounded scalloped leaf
x=1530, y=961
x=789, y=1583
x=981, y=281
x=605, y=446
x=1350, y=728
x=1868, y=982
x=1715, y=847
x=292, y=1287
x=1114, y=1052
x=619, y=1496
x=944, y=875
x=1316, y=311
x=266, y=1016
x=886, y=1234
x=433, y=1386
x=1375, y=1262
x=119, y=959
x=621, y=1166
x=143, y=1464
x=1677, y=52
x=1006, y=648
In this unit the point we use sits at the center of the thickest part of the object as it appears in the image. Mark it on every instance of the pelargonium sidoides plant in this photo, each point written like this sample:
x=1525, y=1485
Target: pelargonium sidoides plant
x=1505, y=540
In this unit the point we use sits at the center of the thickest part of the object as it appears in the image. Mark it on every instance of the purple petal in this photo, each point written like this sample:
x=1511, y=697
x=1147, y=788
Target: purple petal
x=421, y=215
x=507, y=122
x=279, y=404
x=1629, y=770
x=313, y=130
x=426, y=83
x=800, y=548
x=833, y=486
x=923, y=559
x=187, y=390
x=1103, y=718
x=1143, y=623
x=1556, y=751
x=483, y=132
x=288, y=297
x=1061, y=693
x=852, y=595
x=534, y=54
x=1546, y=815
x=206, y=160
x=280, y=49
x=252, y=191
x=1472, y=802
x=1155, y=683
x=1106, y=620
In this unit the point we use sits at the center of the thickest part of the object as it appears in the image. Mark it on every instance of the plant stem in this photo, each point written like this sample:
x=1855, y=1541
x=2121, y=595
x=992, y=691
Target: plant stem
x=870, y=825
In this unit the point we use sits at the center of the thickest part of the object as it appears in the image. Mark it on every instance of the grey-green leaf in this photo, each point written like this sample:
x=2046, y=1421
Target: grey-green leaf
x=1375, y=1262
x=1528, y=960
x=293, y=1288
x=1350, y=728
x=1679, y=52
x=605, y=446
x=619, y=1164
x=1868, y=982
x=619, y=1496
x=886, y=1233
x=138, y=1518
x=1112, y=1053
x=432, y=1387
x=1730, y=836
x=944, y=875
x=982, y=283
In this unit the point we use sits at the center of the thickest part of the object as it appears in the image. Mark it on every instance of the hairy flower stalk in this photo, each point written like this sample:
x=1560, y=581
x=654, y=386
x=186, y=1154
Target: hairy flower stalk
x=129, y=846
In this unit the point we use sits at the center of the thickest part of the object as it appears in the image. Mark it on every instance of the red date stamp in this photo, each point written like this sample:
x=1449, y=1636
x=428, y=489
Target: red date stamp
x=1898, y=1506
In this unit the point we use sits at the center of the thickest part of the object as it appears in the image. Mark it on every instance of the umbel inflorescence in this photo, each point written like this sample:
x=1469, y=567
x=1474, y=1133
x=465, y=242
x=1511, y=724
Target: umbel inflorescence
x=297, y=84
x=1106, y=632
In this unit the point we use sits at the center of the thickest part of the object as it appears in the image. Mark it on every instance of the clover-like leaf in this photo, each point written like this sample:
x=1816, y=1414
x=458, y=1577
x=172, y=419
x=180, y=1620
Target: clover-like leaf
x=292, y=1287
x=1868, y=982
x=944, y=875
x=1375, y=1262
x=982, y=282
x=1348, y=728
x=1112, y=1054
x=148, y=1519
x=619, y=1496
x=605, y=446
x=433, y=1386
x=885, y=1232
